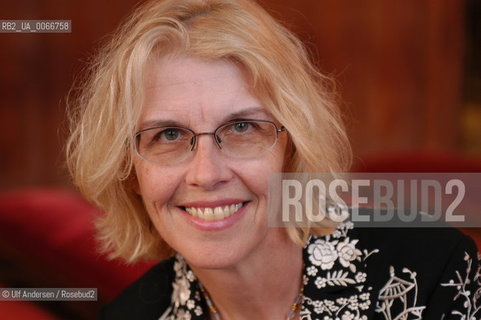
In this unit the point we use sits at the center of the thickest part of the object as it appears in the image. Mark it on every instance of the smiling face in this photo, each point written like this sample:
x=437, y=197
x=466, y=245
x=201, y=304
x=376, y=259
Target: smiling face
x=210, y=207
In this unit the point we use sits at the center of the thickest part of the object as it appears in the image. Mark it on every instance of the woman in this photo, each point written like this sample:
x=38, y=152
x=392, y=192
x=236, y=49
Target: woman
x=184, y=116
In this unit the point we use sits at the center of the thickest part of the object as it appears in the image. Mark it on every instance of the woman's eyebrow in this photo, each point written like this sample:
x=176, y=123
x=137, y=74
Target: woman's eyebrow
x=159, y=123
x=250, y=112
x=247, y=113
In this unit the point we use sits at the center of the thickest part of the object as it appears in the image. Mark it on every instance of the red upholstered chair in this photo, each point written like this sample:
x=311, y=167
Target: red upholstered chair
x=21, y=310
x=47, y=240
x=427, y=161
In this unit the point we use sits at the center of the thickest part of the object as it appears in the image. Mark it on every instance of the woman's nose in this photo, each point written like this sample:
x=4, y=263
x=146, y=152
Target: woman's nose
x=208, y=167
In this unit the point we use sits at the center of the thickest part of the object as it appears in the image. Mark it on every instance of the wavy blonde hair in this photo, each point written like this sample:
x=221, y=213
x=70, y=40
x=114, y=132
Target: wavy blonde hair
x=104, y=112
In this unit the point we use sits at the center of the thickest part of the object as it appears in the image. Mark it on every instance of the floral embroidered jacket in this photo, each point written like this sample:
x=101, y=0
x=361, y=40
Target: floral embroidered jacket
x=365, y=273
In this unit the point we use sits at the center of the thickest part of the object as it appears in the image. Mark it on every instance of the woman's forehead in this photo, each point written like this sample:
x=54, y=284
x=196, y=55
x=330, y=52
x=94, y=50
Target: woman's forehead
x=168, y=71
x=192, y=88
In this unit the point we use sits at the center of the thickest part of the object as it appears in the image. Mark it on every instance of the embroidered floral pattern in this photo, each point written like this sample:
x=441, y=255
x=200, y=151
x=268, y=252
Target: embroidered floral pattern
x=400, y=294
x=336, y=286
x=469, y=290
x=340, y=265
x=323, y=253
x=348, y=253
x=186, y=298
x=350, y=307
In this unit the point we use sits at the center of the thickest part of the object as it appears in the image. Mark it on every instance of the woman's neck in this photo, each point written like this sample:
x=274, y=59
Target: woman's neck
x=262, y=286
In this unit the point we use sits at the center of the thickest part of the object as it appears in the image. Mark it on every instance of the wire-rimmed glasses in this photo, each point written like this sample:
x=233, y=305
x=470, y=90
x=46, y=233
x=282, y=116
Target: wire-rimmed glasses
x=237, y=139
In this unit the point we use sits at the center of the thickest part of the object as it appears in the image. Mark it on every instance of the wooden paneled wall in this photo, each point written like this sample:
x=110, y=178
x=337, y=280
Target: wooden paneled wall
x=398, y=64
x=36, y=72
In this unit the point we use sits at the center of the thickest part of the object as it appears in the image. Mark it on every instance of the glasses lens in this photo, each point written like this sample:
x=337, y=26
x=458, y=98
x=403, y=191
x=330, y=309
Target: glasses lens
x=246, y=139
x=164, y=144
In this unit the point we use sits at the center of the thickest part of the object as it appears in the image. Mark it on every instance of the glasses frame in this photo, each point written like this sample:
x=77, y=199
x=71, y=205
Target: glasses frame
x=214, y=134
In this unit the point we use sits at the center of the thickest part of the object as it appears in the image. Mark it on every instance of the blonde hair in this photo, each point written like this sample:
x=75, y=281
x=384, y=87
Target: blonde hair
x=104, y=113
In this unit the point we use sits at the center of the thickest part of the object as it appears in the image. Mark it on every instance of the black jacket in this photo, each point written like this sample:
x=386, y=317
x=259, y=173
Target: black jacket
x=367, y=273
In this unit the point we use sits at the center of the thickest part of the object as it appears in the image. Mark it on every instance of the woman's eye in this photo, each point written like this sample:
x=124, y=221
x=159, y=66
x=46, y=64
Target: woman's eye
x=241, y=127
x=170, y=134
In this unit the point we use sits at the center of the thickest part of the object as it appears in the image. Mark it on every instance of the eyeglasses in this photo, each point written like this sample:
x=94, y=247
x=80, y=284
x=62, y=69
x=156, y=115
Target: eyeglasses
x=237, y=139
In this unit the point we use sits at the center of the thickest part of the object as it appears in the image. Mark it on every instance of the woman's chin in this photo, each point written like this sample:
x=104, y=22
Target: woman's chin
x=212, y=263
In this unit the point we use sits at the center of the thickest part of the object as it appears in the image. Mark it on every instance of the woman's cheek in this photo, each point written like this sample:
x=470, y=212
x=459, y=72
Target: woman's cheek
x=158, y=190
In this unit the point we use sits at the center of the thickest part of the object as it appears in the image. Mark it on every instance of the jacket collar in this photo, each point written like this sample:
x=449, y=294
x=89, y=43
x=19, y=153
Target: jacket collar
x=334, y=279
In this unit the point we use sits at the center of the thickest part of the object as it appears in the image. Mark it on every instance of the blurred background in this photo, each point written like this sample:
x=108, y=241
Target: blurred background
x=408, y=72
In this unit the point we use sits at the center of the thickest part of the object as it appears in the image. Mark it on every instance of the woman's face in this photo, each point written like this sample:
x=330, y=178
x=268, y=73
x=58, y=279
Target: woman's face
x=203, y=95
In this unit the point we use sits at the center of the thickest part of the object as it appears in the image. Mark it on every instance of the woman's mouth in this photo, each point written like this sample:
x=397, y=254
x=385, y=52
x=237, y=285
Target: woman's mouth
x=214, y=213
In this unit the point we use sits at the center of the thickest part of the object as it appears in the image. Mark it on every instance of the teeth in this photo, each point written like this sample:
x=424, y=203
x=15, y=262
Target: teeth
x=208, y=214
x=217, y=213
